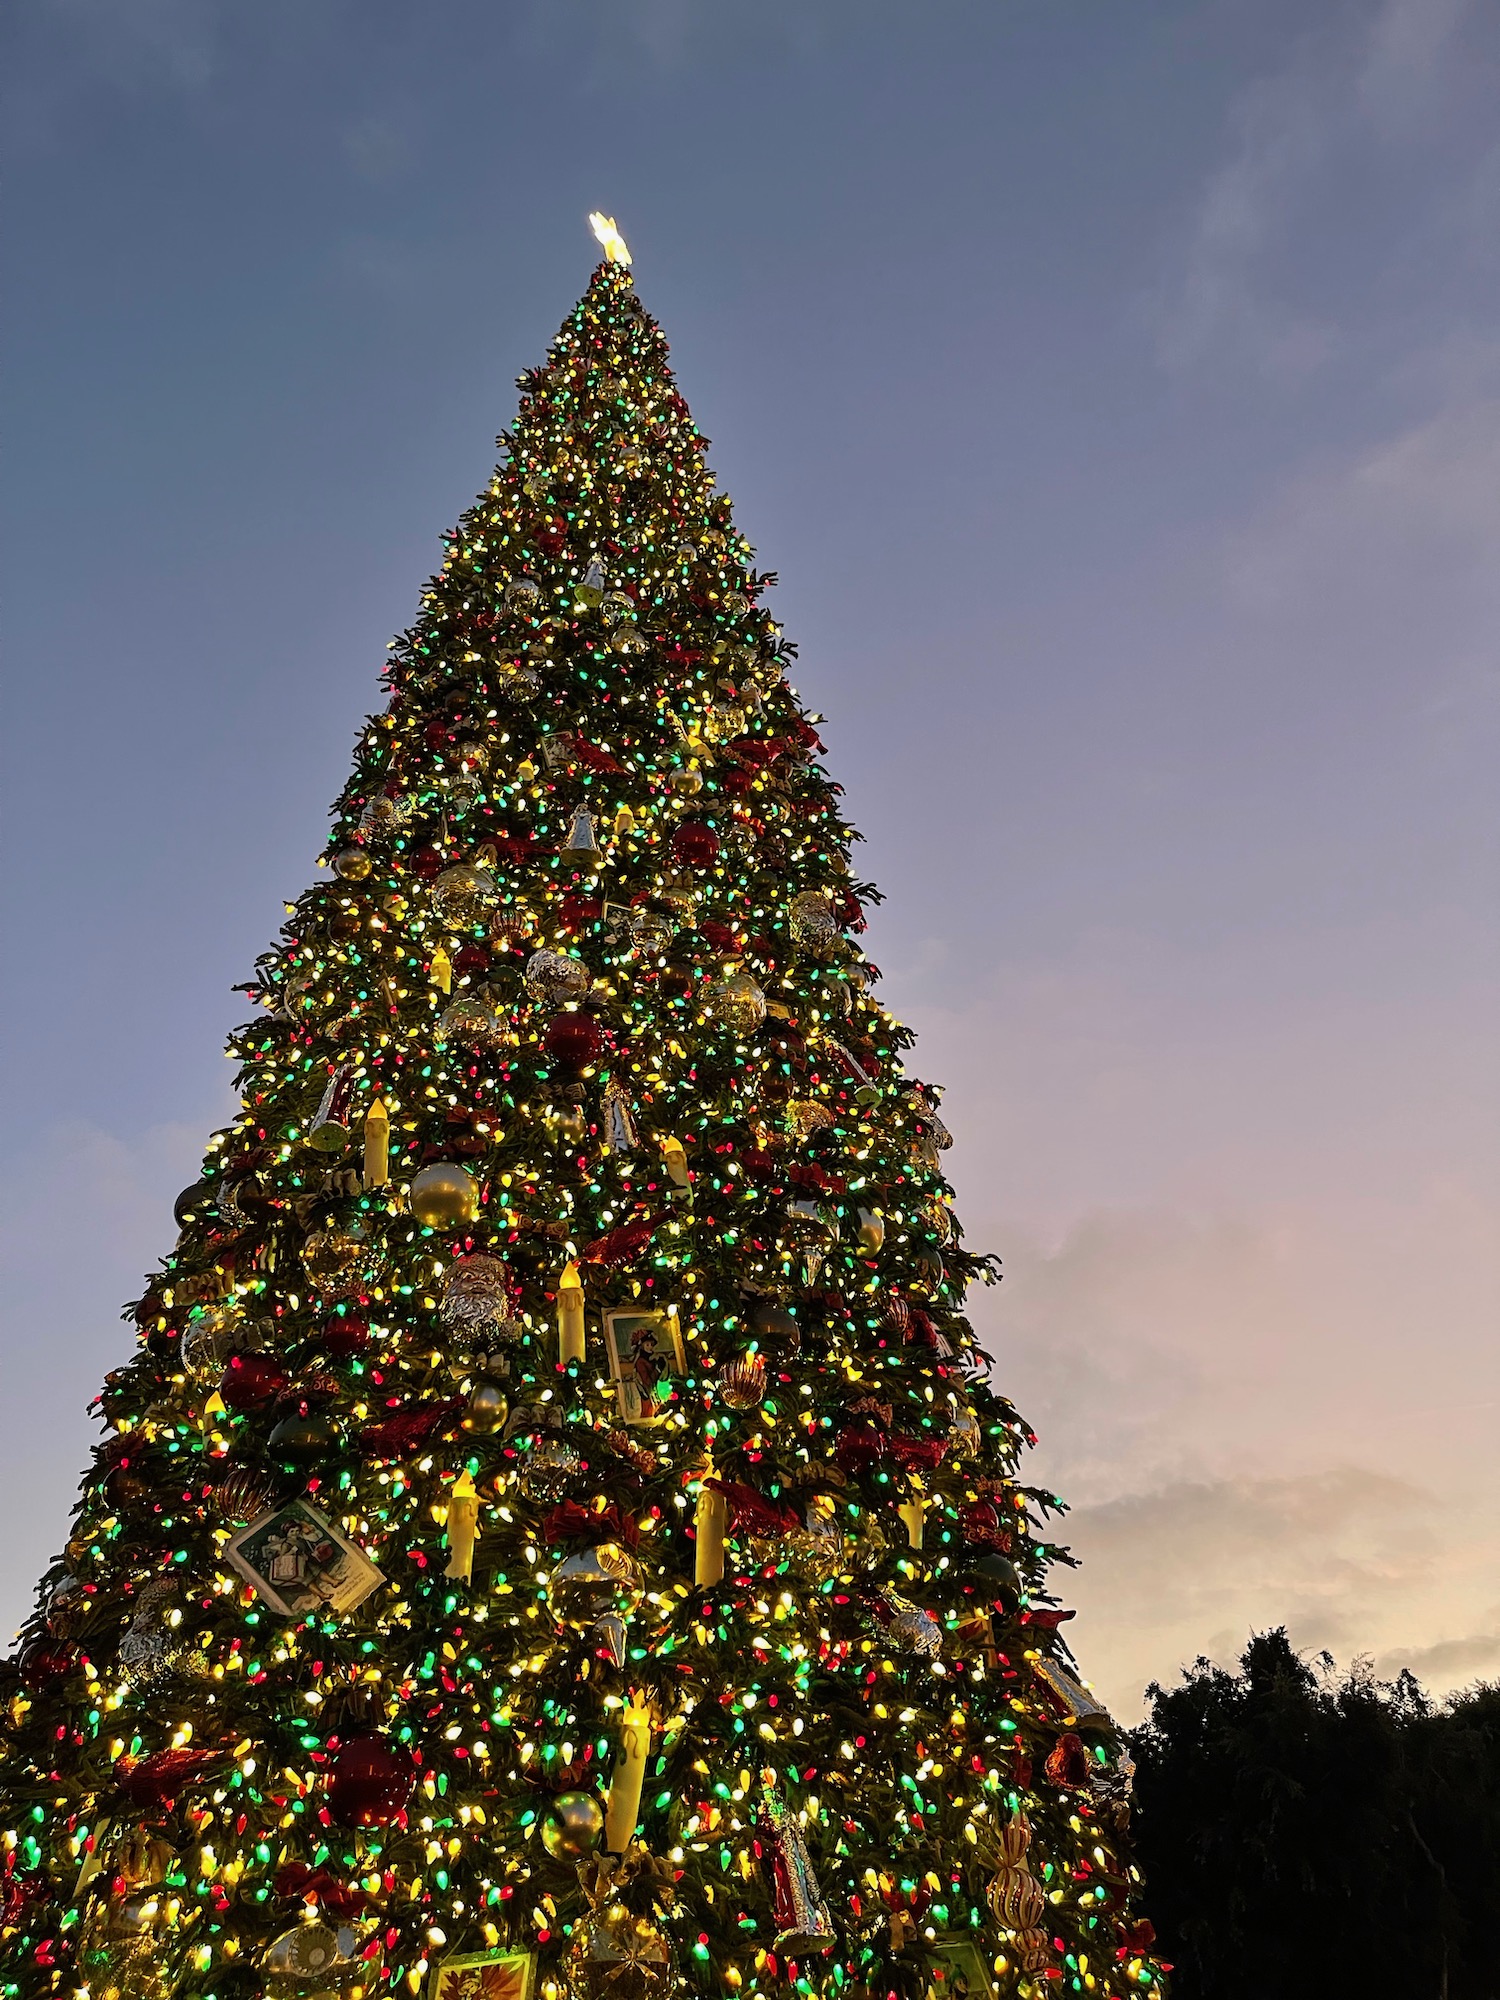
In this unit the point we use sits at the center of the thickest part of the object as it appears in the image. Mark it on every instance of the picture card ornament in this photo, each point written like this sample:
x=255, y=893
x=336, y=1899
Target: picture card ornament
x=299, y=1562
x=484, y=1975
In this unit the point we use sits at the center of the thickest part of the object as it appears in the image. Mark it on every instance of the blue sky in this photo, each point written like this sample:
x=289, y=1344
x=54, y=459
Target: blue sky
x=1116, y=390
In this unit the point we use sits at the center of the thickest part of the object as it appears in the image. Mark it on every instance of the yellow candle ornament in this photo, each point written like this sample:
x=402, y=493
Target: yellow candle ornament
x=709, y=1523
x=570, y=1316
x=912, y=1512
x=440, y=972
x=624, y=1806
x=377, y=1144
x=463, y=1528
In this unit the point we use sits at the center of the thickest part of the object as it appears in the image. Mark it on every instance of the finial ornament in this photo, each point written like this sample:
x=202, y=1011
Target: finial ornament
x=615, y=250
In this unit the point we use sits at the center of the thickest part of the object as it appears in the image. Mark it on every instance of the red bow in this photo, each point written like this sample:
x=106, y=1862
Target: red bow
x=317, y=1885
x=753, y=1512
x=621, y=1245
x=409, y=1429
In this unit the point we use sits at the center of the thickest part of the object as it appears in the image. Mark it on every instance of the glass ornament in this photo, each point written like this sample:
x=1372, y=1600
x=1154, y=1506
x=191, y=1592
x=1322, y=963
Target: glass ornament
x=548, y=1467
x=210, y=1338
x=556, y=978
x=615, y=607
x=617, y=1955
x=724, y=722
x=629, y=640
x=812, y=920
x=488, y=1406
x=472, y=1021
x=523, y=596
x=738, y=1002
x=303, y=1958
x=463, y=896
x=650, y=932
x=332, y=1258
x=742, y=1385
x=352, y=864
x=572, y=1041
x=695, y=844
x=382, y=816
x=370, y=1782
x=775, y=1328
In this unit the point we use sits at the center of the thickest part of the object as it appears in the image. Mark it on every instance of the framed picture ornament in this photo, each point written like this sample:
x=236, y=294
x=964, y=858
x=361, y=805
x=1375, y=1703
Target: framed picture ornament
x=645, y=1358
x=299, y=1562
x=961, y=1973
x=484, y=1975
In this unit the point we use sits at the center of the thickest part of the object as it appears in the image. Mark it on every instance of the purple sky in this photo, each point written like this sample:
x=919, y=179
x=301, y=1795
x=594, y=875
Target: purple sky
x=1117, y=391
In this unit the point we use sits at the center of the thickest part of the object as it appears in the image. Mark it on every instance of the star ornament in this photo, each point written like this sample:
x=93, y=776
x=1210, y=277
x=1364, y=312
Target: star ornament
x=615, y=249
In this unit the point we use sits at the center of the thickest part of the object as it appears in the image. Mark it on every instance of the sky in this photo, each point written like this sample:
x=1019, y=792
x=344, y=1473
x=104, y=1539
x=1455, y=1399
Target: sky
x=1116, y=390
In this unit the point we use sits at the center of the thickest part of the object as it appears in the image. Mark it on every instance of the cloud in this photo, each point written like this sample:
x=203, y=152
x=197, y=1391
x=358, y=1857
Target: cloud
x=1356, y=91
x=1278, y=139
x=1350, y=1559
x=1419, y=507
x=1448, y=1663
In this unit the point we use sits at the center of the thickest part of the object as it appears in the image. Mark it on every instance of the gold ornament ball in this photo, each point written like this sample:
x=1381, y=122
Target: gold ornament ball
x=571, y=1826
x=352, y=863
x=687, y=780
x=488, y=1407
x=443, y=1196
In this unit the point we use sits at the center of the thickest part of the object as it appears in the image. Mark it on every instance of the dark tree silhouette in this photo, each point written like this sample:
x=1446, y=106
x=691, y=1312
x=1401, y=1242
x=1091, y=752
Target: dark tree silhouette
x=1309, y=1834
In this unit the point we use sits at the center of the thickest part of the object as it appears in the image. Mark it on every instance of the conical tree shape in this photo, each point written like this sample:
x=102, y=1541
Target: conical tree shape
x=557, y=1508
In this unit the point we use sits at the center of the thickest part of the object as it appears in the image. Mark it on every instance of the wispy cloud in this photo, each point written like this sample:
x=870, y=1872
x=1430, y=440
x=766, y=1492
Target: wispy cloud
x=1355, y=86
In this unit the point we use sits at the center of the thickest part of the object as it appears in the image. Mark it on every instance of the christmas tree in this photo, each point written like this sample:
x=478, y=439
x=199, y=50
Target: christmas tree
x=556, y=1535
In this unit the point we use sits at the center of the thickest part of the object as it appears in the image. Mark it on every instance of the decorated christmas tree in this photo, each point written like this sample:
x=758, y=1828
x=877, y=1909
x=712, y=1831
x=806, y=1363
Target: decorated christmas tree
x=556, y=1534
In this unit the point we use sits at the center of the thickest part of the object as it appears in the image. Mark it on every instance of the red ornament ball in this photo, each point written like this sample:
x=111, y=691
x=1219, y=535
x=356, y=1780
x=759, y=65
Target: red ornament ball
x=252, y=1382
x=982, y=1527
x=345, y=1337
x=695, y=844
x=573, y=1040
x=471, y=958
x=427, y=862
x=370, y=1782
x=42, y=1661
